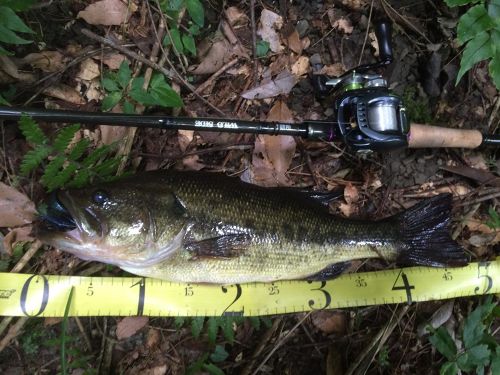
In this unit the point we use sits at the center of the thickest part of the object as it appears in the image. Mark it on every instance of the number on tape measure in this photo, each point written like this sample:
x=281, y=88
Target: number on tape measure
x=328, y=297
x=273, y=290
x=45, y=294
x=447, y=275
x=188, y=291
x=239, y=292
x=142, y=295
x=406, y=285
x=482, y=274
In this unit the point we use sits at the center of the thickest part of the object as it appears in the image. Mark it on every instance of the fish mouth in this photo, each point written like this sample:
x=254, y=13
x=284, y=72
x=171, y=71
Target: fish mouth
x=63, y=219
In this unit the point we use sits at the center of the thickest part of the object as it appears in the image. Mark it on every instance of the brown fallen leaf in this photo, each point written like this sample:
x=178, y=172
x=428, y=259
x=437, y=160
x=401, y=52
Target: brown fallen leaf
x=112, y=61
x=272, y=154
x=351, y=194
x=330, y=321
x=105, y=12
x=11, y=69
x=333, y=70
x=344, y=25
x=270, y=22
x=218, y=54
x=64, y=92
x=16, y=208
x=47, y=61
x=301, y=66
x=281, y=85
x=88, y=70
x=184, y=138
x=294, y=43
x=334, y=360
x=130, y=325
x=21, y=234
x=236, y=17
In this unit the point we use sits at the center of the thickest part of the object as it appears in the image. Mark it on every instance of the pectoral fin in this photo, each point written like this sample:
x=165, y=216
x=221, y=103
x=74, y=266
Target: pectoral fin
x=225, y=246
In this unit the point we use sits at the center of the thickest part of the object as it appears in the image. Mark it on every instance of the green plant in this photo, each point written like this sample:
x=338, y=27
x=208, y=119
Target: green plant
x=123, y=89
x=67, y=163
x=214, y=325
x=417, y=107
x=11, y=24
x=181, y=37
x=262, y=48
x=480, y=349
x=479, y=30
x=494, y=220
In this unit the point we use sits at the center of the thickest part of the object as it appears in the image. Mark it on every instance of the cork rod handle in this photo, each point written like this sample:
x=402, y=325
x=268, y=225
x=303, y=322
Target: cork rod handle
x=421, y=136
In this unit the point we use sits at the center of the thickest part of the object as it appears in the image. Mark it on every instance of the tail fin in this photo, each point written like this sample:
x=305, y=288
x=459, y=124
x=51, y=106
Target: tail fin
x=424, y=230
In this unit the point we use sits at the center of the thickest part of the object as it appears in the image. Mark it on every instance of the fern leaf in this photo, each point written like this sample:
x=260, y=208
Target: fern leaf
x=52, y=169
x=32, y=131
x=81, y=179
x=65, y=136
x=34, y=158
x=95, y=156
x=63, y=177
x=78, y=150
x=107, y=167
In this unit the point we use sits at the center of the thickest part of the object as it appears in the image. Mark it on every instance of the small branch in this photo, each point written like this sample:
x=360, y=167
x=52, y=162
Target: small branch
x=172, y=74
x=254, y=42
x=214, y=76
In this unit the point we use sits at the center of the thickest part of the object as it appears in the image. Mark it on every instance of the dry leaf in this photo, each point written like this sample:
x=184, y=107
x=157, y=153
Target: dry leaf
x=88, y=70
x=301, y=66
x=48, y=61
x=219, y=53
x=330, y=321
x=437, y=319
x=157, y=370
x=333, y=70
x=272, y=154
x=153, y=338
x=185, y=137
x=64, y=92
x=294, y=43
x=112, y=134
x=192, y=163
x=113, y=61
x=335, y=360
x=374, y=43
x=236, y=17
x=281, y=85
x=16, y=208
x=130, y=325
x=21, y=234
x=351, y=194
x=346, y=209
x=105, y=12
x=269, y=23
x=8, y=66
x=344, y=25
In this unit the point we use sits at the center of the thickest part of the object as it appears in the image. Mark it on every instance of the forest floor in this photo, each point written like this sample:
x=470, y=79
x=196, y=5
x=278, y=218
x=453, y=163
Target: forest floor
x=225, y=73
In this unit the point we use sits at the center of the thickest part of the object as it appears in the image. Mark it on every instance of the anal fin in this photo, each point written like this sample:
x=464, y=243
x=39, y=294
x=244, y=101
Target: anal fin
x=330, y=272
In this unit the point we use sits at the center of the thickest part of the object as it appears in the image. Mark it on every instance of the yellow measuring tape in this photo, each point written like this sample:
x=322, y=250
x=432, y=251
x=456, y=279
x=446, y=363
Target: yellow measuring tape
x=43, y=295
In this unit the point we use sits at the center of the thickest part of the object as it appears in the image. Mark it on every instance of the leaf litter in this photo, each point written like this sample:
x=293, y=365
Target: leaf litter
x=374, y=186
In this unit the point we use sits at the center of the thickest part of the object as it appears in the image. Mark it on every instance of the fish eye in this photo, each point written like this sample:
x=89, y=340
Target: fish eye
x=100, y=197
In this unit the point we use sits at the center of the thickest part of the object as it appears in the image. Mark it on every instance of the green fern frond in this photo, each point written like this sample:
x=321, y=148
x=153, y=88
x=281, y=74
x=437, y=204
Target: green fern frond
x=78, y=150
x=32, y=131
x=63, y=177
x=52, y=170
x=107, y=167
x=34, y=158
x=95, y=156
x=81, y=179
x=64, y=137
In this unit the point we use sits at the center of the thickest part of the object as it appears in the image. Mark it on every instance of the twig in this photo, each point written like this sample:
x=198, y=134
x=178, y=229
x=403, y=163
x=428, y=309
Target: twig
x=13, y=332
x=281, y=342
x=479, y=200
x=366, y=34
x=254, y=41
x=494, y=113
x=214, y=76
x=262, y=344
x=172, y=74
x=379, y=339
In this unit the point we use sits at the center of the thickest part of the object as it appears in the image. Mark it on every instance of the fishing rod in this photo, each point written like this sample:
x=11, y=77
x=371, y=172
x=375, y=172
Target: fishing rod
x=367, y=115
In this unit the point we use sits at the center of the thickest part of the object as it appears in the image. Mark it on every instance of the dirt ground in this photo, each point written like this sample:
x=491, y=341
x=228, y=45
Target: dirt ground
x=337, y=33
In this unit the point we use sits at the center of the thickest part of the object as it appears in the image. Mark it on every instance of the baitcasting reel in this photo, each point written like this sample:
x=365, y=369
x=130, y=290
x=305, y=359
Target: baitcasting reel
x=369, y=116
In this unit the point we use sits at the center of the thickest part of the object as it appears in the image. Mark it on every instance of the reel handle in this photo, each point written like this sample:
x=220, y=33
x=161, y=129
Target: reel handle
x=423, y=136
x=383, y=32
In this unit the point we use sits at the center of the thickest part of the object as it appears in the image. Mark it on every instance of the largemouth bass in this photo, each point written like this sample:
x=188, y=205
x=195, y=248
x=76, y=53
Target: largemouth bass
x=208, y=228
